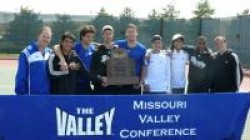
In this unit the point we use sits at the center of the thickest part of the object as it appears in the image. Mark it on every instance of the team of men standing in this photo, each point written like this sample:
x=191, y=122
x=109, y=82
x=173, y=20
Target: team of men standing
x=80, y=68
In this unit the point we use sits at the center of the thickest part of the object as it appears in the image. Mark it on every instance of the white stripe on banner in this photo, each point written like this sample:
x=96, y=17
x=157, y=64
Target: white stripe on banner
x=246, y=131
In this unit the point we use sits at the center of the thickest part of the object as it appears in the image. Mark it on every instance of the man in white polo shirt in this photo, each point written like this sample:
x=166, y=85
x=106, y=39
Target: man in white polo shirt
x=179, y=59
x=158, y=76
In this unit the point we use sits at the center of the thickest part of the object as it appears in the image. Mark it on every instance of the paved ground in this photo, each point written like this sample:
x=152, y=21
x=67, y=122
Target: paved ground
x=246, y=81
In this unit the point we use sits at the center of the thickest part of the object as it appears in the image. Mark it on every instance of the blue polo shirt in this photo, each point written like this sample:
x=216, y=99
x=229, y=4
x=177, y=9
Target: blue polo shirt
x=137, y=54
x=86, y=58
x=85, y=54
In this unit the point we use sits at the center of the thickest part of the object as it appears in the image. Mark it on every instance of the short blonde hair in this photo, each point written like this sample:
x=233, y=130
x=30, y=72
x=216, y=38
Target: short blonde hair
x=45, y=27
x=133, y=26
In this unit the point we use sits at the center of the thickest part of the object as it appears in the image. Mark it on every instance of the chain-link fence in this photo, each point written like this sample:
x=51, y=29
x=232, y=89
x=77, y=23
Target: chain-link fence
x=236, y=30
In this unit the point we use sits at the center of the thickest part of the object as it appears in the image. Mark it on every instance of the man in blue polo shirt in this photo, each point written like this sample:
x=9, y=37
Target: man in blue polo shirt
x=136, y=51
x=84, y=50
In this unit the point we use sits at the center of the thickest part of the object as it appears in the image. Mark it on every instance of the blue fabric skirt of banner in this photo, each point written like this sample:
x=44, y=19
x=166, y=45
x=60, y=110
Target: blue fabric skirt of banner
x=177, y=117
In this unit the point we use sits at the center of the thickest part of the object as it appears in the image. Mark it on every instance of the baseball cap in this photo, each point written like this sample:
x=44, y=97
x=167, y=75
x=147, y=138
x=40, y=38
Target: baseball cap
x=156, y=37
x=178, y=36
x=107, y=27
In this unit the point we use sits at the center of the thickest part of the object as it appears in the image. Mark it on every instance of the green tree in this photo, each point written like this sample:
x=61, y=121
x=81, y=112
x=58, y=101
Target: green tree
x=127, y=13
x=245, y=12
x=125, y=18
x=103, y=12
x=24, y=27
x=154, y=14
x=62, y=24
x=102, y=18
x=169, y=12
x=203, y=10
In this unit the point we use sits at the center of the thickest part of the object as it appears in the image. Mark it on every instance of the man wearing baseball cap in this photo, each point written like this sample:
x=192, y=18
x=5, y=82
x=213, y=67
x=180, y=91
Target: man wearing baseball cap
x=103, y=53
x=179, y=58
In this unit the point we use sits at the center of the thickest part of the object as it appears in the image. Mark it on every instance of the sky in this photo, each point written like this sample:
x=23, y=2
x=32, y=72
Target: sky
x=223, y=8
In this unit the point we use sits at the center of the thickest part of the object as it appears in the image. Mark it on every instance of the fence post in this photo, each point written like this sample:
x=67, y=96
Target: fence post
x=162, y=27
x=200, y=27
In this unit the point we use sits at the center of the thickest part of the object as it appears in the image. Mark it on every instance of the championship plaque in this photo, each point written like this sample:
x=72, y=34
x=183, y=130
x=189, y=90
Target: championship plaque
x=121, y=69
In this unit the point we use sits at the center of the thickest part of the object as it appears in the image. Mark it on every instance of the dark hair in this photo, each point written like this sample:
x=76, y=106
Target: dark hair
x=102, y=47
x=133, y=26
x=156, y=37
x=202, y=38
x=173, y=41
x=68, y=35
x=172, y=46
x=44, y=28
x=87, y=29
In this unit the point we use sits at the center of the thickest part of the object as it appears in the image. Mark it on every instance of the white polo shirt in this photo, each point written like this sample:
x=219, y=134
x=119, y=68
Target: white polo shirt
x=158, y=73
x=178, y=74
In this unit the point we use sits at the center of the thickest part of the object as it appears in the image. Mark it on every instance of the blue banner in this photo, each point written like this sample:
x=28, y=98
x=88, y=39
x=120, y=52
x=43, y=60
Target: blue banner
x=184, y=117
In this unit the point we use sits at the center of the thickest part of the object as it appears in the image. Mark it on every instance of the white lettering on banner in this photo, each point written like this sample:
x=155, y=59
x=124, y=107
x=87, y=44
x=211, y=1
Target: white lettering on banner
x=152, y=105
x=164, y=118
x=131, y=134
x=159, y=119
x=70, y=125
x=82, y=111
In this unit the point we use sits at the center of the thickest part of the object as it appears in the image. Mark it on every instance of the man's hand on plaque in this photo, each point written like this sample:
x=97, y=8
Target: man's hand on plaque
x=114, y=46
x=147, y=87
x=137, y=86
x=104, y=81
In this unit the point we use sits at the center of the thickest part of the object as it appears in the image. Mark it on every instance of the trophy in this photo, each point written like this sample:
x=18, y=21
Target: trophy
x=121, y=69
